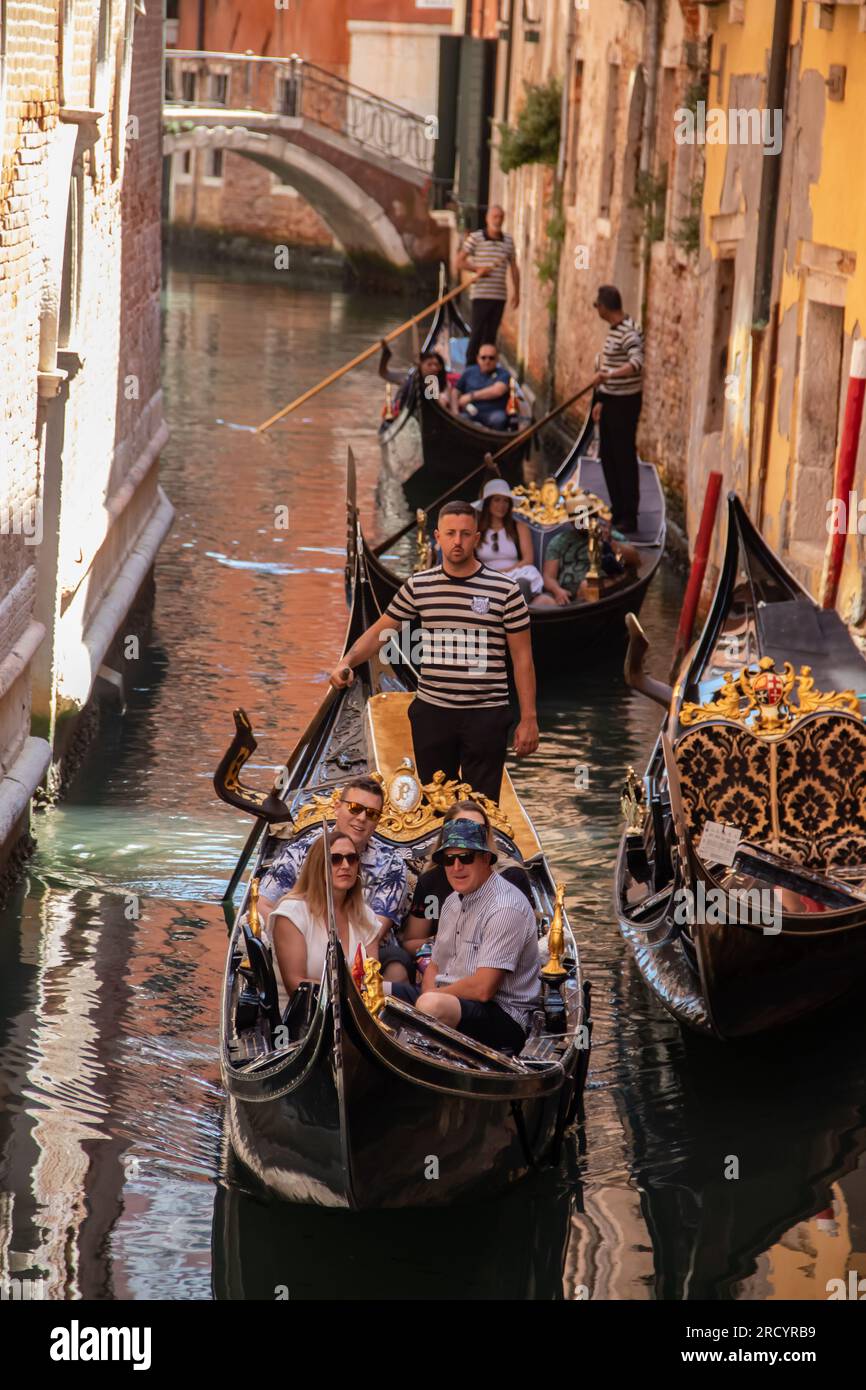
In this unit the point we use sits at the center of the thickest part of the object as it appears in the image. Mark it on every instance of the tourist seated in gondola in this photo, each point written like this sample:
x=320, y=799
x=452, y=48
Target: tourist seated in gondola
x=430, y=367
x=566, y=563
x=505, y=543
x=482, y=390
x=298, y=925
x=384, y=870
x=482, y=977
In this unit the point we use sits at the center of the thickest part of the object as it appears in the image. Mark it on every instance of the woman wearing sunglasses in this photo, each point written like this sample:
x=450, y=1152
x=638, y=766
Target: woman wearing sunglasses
x=506, y=543
x=298, y=924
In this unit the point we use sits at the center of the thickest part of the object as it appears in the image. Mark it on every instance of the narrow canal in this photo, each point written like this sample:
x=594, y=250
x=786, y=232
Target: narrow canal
x=701, y=1172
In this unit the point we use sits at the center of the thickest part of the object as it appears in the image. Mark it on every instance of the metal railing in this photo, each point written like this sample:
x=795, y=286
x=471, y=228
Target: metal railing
x=294, y=88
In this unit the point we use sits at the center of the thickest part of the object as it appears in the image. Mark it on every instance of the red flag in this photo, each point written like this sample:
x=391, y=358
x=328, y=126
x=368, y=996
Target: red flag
x=358, y=967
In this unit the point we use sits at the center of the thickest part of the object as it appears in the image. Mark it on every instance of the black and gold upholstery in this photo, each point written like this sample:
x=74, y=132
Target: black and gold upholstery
x=802, y=794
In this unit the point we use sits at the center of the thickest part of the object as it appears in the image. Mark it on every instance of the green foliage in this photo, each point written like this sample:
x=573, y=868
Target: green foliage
x=535, y=137
x=688, y=231
x=547, y=261
x=649, y=196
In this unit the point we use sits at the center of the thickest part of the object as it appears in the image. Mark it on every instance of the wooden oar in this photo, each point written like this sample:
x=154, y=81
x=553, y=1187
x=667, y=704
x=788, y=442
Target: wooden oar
x=488, y=461
x=373, y=348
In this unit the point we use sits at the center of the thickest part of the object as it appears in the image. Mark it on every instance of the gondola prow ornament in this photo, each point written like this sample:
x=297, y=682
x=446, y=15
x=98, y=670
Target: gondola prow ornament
x=554, y=973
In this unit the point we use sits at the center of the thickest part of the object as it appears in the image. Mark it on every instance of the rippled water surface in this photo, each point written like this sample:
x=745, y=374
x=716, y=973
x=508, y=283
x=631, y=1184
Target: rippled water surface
x=701, y=1171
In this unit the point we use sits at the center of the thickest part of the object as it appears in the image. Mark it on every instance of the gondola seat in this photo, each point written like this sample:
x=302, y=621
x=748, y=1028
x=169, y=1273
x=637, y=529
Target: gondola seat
x=802, y=795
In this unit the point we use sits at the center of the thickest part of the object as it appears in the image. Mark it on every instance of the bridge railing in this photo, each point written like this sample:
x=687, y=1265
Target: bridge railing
x=292, y=87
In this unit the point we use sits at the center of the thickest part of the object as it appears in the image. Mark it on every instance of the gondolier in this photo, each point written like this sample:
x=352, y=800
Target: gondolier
x=468, y=616
x=489, y=249
x=619, y=392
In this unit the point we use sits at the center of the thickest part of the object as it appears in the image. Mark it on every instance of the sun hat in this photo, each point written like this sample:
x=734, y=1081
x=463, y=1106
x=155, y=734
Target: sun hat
x=497, y=487
x=463, y=834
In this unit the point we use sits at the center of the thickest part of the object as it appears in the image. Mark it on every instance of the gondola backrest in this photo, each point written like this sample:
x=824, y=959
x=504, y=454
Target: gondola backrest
x=802, y=794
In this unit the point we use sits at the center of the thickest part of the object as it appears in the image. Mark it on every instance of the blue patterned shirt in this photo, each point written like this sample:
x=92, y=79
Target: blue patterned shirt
x=383, y=872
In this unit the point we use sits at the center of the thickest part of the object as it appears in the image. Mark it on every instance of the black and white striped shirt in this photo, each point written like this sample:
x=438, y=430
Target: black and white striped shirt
x=483, y=251
x=460, y=644
x=493, y=928
x=624, y=343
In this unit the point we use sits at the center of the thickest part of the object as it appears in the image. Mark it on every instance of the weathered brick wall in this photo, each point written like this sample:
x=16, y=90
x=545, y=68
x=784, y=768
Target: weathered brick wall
x=245, y=205
x=28, y=118
x=113, y=410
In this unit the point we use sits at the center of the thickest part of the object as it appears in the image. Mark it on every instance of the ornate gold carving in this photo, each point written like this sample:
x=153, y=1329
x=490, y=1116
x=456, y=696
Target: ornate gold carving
x=554, y=970
x=374, y=994
x=405, y=825
x=423, y=548
x=253, y=915
x=631, y=803
x=768, y=710
x=594, y=547
x=547, y=506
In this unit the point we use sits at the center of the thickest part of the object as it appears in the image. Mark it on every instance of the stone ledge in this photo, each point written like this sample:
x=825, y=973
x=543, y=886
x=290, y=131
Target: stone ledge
x=16, y=789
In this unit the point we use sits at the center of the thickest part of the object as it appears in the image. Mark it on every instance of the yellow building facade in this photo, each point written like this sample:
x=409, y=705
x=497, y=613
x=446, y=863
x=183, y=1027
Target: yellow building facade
x=783, y=265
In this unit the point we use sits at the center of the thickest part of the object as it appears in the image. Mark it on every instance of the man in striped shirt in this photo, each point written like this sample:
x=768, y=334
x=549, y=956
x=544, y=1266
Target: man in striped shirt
x=483, y=974
x=619, y=388
x=457, y=621
x=489, y=249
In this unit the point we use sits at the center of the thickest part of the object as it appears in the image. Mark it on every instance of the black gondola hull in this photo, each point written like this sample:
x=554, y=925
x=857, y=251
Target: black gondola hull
x=320, y=1139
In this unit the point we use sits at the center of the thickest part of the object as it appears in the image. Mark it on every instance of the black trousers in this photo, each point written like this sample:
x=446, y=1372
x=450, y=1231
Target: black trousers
x=471, y=743
x=486, y=318
x=617, y=435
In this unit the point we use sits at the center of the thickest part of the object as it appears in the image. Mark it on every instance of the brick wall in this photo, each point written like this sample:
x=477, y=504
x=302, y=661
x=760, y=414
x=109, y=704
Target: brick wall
x=81, y=452
x=244, y=203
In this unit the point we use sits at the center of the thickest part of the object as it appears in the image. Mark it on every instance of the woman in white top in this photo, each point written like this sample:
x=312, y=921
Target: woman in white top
x=506, y=543
x=297, y=924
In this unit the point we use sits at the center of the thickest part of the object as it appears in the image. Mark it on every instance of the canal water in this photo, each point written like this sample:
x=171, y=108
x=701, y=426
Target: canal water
x=700, y=1171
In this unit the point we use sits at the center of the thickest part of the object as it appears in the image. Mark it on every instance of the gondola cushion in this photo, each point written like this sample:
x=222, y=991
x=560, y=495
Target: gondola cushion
x=813, y=777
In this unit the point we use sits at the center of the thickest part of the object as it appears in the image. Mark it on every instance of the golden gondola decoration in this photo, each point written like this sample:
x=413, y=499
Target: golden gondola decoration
x=631, y=804
x=761, y=701
x=373, y=991
x=423, y=548
x=406, y=815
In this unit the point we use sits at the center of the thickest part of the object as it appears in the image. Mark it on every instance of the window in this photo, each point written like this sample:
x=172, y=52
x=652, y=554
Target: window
x=288, y=92
x=122, y=78
x=169, y=94
x=70, y=284
x=187, y=84
x=213, y=165
x=67, y=45
x=608, y=158
x=573, y=147
x=714, y=415
x=99, y=86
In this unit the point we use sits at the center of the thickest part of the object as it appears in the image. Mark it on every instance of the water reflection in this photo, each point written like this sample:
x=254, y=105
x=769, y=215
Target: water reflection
x=112, y=1183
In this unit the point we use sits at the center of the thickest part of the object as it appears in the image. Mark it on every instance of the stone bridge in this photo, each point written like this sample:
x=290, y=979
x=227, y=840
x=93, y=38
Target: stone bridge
x=363, y=163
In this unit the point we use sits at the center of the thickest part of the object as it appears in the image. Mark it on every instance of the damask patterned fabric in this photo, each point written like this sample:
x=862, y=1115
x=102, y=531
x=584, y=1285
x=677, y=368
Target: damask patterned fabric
x=821, y=786
x=817, y=773
x=725, y=776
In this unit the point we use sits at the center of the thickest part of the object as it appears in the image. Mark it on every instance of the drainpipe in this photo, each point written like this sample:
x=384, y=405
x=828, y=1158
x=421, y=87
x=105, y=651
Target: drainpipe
x=765, y=311
x=201, y=24
x=506, y=96
x=652, y=12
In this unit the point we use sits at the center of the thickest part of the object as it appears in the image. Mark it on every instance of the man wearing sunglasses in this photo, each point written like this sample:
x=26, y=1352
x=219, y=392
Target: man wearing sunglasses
x=483, y=974
x=482, y=388
x=383, y=867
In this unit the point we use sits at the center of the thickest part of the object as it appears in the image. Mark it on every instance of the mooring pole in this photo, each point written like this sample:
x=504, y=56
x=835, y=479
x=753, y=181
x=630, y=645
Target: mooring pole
x=845, y=470
x=697, y=572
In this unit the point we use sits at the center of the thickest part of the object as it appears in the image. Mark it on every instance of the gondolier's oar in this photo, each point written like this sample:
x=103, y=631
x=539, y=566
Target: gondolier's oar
x=488, y=461
x=373, y=348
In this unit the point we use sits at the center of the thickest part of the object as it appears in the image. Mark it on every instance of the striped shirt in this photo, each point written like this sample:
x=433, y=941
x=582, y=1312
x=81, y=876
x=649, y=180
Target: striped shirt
x=460, y=642
x=484, y=251
x=493, y=928
x=624, y=343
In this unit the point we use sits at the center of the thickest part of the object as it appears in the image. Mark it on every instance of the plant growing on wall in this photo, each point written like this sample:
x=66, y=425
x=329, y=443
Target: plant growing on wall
x=547, y=261
x=688, y=230
x=534, y=139
x=649, y=197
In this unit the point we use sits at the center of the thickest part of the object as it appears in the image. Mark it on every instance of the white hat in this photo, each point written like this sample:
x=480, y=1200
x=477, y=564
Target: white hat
x=497, y=487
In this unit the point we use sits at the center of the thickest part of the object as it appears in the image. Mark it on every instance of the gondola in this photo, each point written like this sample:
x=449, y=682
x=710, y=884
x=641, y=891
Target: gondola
x=343, y=1098
x=447, y=446
x=741, y=877
x=561, y=636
